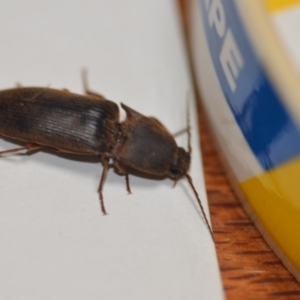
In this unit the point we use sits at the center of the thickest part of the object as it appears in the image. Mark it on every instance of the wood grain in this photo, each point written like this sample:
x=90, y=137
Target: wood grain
x=249, y=268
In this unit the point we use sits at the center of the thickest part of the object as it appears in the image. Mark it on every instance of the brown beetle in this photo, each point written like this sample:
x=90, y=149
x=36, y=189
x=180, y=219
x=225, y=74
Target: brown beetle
x=89, y=125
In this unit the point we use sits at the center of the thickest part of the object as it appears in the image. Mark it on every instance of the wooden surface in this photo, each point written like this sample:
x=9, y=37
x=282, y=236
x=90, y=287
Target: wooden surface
x=249, y=268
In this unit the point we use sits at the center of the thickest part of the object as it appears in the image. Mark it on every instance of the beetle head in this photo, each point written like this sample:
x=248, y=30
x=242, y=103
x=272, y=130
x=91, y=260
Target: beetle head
x=181, y=163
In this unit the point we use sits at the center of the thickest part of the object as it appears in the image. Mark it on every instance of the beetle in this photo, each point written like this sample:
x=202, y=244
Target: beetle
x=89, y=125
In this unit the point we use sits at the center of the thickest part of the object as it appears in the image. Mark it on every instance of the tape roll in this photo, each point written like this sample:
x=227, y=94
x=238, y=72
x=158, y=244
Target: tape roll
x=246, y=66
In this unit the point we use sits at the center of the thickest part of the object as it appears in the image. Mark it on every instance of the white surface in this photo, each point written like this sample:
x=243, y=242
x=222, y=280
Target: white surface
x=55, y=244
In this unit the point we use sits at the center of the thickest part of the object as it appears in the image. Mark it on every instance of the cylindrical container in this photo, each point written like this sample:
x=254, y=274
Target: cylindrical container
x=246, y=68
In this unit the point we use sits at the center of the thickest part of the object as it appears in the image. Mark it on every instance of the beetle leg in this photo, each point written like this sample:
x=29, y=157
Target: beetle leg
x=86, y=86
x=184, y=130
x=105, y=161
x=127, y=184
x=123, y=171
x=175, y=182
x=28, y=147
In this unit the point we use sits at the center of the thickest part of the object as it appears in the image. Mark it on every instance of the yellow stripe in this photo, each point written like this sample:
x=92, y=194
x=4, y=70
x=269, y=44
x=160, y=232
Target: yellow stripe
x=275, y=198
x=277, y=5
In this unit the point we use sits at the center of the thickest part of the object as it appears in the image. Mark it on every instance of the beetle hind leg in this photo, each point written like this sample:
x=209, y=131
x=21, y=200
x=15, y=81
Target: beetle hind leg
x=28, y=148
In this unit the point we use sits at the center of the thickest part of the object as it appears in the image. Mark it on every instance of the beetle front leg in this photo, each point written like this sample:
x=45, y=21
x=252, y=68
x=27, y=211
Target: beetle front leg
x=180, y=132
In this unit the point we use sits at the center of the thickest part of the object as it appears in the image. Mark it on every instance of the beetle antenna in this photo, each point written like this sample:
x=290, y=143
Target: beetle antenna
x=189, y=178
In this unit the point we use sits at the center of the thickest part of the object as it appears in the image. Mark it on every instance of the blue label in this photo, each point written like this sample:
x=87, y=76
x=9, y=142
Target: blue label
x=270, y=132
